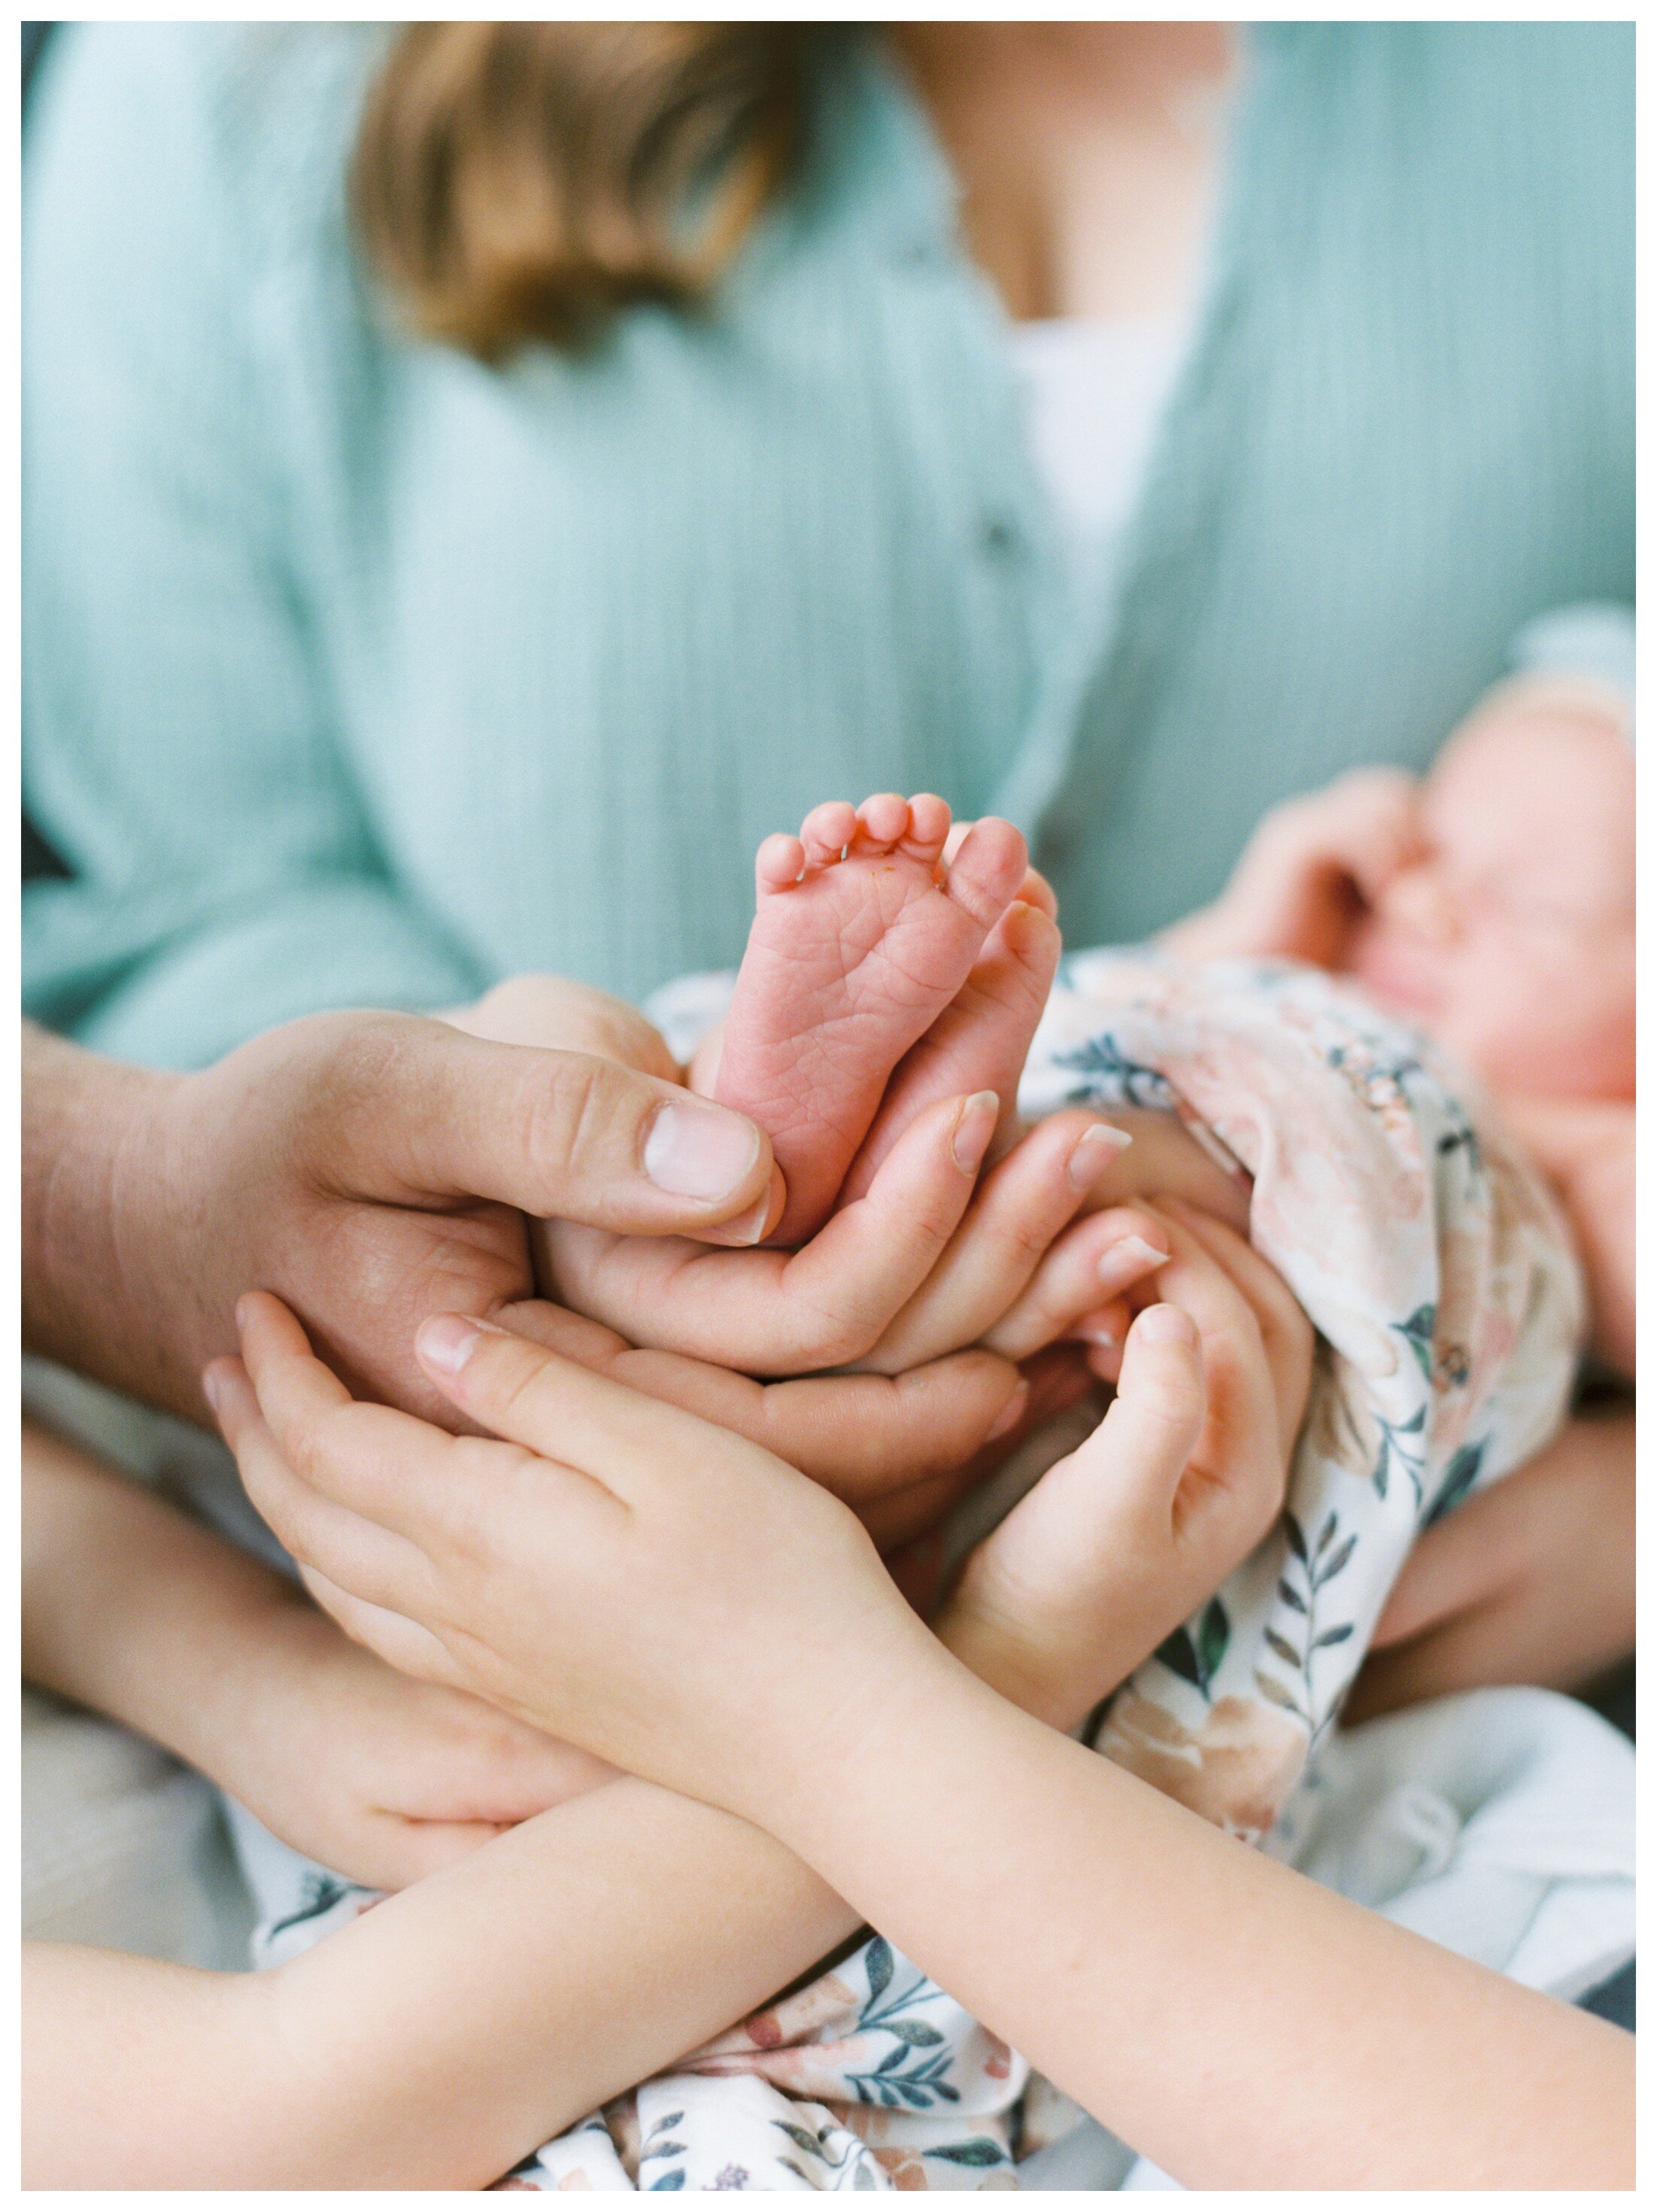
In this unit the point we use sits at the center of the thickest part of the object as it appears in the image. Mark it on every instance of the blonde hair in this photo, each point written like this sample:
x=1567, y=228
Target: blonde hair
x=522, y=181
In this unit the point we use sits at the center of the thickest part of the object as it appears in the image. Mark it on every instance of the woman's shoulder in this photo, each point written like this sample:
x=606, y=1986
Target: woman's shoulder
x=260, y=116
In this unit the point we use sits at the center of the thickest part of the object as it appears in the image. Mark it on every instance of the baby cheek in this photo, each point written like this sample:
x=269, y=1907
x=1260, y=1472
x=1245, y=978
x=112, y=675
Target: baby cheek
x=1548, y=1020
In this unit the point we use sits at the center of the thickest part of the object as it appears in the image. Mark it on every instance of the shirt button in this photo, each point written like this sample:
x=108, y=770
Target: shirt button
x=998, y=536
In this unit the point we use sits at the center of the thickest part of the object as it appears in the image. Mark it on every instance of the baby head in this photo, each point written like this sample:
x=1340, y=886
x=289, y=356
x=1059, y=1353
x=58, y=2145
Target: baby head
x=1510, y=936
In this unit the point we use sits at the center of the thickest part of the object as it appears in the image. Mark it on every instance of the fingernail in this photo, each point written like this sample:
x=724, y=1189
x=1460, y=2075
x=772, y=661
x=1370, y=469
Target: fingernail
x=698, y=1150
x=759, y=1220
x=1010, y=1414
x=1166, y=1324
x=1126, y=1260
x=446, y=1342
x=1097, y=1332
x=974, y=1127
x=1093, y=1149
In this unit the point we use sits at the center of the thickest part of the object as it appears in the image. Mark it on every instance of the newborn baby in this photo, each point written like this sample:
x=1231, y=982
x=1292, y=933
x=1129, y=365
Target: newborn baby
x=1491, y=905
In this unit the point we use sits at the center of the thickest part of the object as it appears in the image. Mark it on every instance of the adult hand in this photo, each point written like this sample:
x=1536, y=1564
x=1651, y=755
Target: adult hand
x=1529, y=1581
x=928, y=1260
x=369, y=1168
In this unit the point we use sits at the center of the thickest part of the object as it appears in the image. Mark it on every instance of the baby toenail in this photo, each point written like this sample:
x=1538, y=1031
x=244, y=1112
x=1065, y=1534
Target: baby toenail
x=1094, y=1148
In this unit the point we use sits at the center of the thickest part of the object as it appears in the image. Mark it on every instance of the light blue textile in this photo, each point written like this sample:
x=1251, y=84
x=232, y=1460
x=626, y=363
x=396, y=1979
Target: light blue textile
x=356, y=672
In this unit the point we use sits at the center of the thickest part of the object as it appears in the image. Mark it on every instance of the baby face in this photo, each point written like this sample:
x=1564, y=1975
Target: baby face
x=1511, y=937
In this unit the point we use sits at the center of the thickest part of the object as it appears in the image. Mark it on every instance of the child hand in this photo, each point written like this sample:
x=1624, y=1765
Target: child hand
x=749, y=1594
x=1309, y=871
x=379, y=1776
x=1118, y=1543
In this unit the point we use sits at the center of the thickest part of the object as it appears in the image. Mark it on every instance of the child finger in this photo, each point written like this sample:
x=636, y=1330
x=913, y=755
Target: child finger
x=388, y=1466
x=1287, y=1335
x=371, y=1562
x=397, y=1638
x=1127, y=1473
x=619, y=1444
x=1156, y=1419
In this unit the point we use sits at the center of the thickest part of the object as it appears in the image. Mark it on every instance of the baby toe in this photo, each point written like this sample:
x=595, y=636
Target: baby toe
x=987, y=869
x=929, y=825
x=882, y=821
x=779, y=864
x=827, y=831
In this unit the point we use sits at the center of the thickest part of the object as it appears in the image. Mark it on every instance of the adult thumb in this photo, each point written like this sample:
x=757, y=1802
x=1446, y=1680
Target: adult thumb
x=570, y=1134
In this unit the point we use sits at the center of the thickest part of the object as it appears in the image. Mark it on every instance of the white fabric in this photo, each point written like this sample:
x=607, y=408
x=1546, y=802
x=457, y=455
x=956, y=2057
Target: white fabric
x=1500, y=1824
x=1095, y=390
x=122, y=1846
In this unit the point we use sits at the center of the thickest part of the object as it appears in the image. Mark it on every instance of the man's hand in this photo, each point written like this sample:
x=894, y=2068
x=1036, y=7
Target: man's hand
x=371, y=1168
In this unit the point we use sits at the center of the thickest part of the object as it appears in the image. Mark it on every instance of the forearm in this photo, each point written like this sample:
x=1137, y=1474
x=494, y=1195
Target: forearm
x=440, y=2038
x=1196, y=1996
x=133, y=1610
x=92, y=1297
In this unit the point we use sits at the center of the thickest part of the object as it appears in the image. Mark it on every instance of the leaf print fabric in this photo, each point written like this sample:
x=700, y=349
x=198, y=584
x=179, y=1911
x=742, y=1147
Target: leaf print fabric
x=1450, y=1309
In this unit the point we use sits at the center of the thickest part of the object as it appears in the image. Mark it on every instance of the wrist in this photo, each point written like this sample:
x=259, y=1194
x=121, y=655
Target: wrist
x=101, y=1264
x=862, y=1726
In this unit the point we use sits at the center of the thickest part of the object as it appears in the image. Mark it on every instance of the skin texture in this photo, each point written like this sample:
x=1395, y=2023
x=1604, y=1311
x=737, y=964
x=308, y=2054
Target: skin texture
x=539, y=2023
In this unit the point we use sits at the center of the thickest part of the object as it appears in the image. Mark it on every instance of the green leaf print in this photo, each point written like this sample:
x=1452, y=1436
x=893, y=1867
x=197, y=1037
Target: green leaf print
x=1213, y=1634
x=877, y=1964
x=1179, y=1655
x=980, y=2151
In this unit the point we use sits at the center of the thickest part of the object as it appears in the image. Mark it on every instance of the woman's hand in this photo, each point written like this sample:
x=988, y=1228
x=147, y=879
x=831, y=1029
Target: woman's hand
x=1530, y=1581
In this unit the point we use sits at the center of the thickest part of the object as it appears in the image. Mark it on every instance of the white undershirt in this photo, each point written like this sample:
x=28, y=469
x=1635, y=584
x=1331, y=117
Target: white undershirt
x=1095, y=390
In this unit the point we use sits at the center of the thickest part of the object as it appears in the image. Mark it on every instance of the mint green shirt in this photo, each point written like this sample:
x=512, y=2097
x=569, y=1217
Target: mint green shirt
x=357, y=673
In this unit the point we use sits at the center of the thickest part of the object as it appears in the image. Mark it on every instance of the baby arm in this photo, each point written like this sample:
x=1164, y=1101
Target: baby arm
x=135, y=1611
x=1308, y=873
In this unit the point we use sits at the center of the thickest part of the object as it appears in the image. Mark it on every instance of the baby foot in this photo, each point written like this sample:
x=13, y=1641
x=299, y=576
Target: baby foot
x=862, y=939
x=982, y=1038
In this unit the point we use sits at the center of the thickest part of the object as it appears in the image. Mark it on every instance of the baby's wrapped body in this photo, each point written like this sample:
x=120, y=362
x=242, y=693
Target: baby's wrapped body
x=1449, y=1311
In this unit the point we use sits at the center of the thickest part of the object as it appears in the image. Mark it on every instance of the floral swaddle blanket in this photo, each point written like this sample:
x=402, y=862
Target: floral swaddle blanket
x=1450, y=1313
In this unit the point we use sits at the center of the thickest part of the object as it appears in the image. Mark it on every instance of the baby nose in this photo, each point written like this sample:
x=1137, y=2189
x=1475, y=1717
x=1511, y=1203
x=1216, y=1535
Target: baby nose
x=1418, y=900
